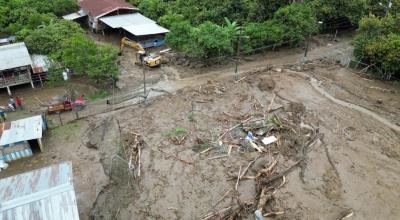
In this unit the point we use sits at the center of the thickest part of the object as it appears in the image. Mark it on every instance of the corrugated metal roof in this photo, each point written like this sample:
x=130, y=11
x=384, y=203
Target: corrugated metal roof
x=75, y=15
x=118, y=21
x=145, y=29
x=43, y=194
x=21, y=130
x=14, y=55
x=40, y=61
x=98, y=8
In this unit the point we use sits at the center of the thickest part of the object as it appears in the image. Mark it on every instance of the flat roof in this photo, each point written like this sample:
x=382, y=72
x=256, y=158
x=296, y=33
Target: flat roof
x=118, y=21
x=44, y=194
x=13, y=56
x=145, y=29
x=21, y=130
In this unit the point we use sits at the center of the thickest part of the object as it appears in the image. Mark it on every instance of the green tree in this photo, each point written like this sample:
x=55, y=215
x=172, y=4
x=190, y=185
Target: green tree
x=84, y=56
x=79, y=53
x=334, y=9
x=378, y=43
x=214, y=40
x=261, y=34
x=103, y=65
x=298, y=19
x=153, y=8
x=170, y=19
x=50, y=37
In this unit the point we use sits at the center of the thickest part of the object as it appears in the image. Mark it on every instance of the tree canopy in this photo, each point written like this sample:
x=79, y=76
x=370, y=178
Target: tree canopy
x=378, y=43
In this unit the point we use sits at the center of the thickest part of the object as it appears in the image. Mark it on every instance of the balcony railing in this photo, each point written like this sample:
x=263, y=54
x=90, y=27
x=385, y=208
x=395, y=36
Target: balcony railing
x=14, y=80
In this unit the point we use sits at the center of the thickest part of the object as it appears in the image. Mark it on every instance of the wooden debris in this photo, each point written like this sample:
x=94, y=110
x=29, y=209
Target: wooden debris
x=230, y=149
x=273, y=214
x=206, y=150
x=238, y=178
x=248, y=166
x=175, y=157
x=230, y=129
x=271, y=103
x=139, y=161
x=217, y=157
x=223, y=197
x=255, y=146
x=244, y=77
x=345, y=214
x=265, y=196
x=267, y=171
x=213, y=214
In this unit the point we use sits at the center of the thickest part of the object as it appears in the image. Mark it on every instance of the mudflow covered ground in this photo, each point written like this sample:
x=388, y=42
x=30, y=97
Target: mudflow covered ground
x=184, y=155
x=333, y=159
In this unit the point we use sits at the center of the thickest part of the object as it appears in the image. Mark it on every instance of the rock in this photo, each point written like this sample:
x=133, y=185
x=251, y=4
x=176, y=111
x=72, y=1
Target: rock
x=379, y=101
x=91, y=145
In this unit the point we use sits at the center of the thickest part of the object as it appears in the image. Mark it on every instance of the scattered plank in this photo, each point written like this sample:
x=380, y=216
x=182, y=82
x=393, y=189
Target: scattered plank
x=238, y=178
x=217, y=157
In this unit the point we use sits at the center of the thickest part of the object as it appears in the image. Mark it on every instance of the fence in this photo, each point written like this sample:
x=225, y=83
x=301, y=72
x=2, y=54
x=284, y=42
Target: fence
x=368, y=69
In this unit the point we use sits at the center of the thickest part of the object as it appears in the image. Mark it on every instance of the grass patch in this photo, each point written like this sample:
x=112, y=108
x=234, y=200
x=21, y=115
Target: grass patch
x=99, y=95
x=190, y=117
x=67, y=131
x=177, y=132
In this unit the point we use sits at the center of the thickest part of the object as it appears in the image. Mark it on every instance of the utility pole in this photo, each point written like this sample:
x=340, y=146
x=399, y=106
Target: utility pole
x=308, y=44
x=144, y=79
x=238, y=50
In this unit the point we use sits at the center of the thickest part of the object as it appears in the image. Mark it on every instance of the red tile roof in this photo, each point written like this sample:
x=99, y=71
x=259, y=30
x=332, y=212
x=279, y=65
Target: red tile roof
x=101, y=7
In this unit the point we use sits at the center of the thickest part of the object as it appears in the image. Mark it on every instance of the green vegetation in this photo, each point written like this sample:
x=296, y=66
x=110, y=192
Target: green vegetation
x=200, y=28
x=208, y=28
x=209, y=39
x=99, y=95
x=378, y=43
x=68, y=130
x=38, y=25
x=191, y=116
x=177, y=132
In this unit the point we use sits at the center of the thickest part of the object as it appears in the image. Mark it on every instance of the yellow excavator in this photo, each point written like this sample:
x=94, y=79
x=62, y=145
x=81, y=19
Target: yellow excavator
x=142, y=58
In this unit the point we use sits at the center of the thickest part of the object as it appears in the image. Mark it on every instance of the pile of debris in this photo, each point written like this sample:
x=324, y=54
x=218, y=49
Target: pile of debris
x=132, y=147
x=280, y=135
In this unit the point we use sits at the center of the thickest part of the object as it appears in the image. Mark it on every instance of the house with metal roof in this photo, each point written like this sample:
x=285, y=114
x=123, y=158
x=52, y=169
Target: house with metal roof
x=96, y=9
x=21, y=138
x=118, y=14
x=43, y=194
x=15, y=66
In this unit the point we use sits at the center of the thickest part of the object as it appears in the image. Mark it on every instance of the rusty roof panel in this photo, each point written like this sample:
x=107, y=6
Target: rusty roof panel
x=44, y=194
x=98, y=8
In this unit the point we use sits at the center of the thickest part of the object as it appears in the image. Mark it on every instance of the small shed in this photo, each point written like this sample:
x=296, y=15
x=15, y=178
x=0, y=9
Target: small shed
x=43, y=194
x=21, y=138
x=15, y=66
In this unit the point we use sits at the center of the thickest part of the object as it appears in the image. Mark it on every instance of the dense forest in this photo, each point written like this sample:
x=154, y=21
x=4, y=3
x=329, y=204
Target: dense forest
x=210, y=28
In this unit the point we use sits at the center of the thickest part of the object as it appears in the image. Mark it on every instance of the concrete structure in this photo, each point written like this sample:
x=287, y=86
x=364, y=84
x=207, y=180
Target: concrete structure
x=21, y=138
x=15, y=66
x=43, y=194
